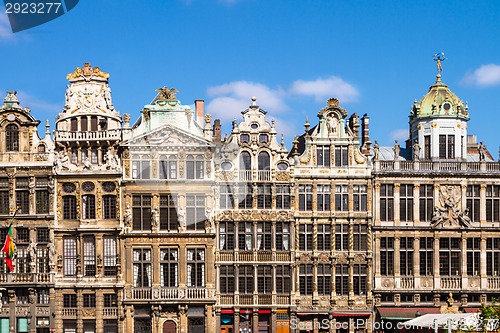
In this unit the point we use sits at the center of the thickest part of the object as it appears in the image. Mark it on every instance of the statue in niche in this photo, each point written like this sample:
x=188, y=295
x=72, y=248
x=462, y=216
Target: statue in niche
x=127, y=217
x=155, y=219
x=331, y=124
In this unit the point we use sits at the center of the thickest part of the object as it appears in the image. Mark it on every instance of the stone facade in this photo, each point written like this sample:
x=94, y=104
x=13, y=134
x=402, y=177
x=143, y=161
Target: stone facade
x=162, y=225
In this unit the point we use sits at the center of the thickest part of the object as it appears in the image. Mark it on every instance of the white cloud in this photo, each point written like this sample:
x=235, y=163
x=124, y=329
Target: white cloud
x=323, y=89
x=401, y=135
x=484, y=76
x=239, y=93
x=5, y=30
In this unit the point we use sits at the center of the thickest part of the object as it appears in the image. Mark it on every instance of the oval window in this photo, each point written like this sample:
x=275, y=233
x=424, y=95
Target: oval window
x=282, y=166
x=226, y=166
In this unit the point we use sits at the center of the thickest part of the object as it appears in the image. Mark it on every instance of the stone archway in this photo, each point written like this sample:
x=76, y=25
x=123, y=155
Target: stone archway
x=169, y=326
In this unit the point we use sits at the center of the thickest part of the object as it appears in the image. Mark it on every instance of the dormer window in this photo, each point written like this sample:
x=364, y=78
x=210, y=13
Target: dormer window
x=263, y=138
x=446, y=146
x=12, y=137
x=254, y=126
x=446, y=107
x=244, y=138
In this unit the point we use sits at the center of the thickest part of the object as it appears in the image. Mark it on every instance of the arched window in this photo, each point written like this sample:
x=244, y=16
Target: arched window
x=12, y=137
x=245, y=161
x=264, y=161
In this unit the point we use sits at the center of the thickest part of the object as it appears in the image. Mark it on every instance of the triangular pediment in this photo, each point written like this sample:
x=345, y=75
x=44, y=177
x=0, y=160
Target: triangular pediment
x=165, y=136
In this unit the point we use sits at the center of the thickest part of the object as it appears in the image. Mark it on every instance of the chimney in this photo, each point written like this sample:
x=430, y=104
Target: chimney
x=200, y=111
x=217, y=136
x=365, y=135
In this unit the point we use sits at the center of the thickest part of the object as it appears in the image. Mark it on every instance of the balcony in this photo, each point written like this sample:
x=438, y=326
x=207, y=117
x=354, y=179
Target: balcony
x=258, y=175
x=110, y=312
x=494, y=283
x=70, y=312
x=26, y=278
x=407, y=282
x=436, y=166
x=174, y=294
x=448, y=283
x=112, y=135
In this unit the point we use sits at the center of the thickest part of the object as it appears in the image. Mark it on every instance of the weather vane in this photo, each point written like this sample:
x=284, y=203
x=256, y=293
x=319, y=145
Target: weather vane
x=438, y=57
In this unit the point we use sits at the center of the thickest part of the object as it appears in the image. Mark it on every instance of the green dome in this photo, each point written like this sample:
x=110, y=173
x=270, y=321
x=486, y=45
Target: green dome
x=439, y=102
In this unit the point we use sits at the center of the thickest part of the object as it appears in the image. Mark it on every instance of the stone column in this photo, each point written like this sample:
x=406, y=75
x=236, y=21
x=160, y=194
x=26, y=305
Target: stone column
x=99, y=305
x=484, y=278
x=482, y=212
x=377, y=203
x=416, y=257
x=397, y=263
x=463, y=269
x=377, y=254
x=397, y=218
x=416, y=204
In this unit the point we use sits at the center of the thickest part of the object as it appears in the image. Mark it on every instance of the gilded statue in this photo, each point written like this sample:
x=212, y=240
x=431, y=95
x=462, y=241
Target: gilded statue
x=165, y=93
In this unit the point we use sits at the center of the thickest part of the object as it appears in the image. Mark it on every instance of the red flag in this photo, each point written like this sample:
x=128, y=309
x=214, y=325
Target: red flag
x=9, y=248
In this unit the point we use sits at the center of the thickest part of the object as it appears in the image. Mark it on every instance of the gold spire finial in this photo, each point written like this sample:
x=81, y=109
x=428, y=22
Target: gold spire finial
x=438, y=58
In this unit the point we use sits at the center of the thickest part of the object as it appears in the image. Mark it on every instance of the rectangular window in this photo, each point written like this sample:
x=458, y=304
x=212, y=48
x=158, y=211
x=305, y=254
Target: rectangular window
x=89, y=300
x=226, y=199
x=264, y=196
x=323, y=197
x=226, y=279
x=42, y=201
x=142, y=267
x=194, y=167
x=342, y=279
x=360, y=198
x=449, y=256
x=426, y=202
x=306, y=279
x=69, y=301
x=4, y=195
x=264, y=279
x=88, y=206
x=341, y=198
x=342, y=237
x=22, y=260
x=324, y=279
x=387, y=256
x=245, y=236
x=226, y=236
x=324, y=232
x=282, y=236
x=386, y=202
x=109, y=243
x=305, y=197
x=196, y=267
x=473, y=256
x=283, y=279
x=169, y=267
x=42, y=235
x=245, y=196
x=492, y=256
x=110, y=301
x=446, y=146
x=473, y=202
x=264, y=236
x=141, y=212
x=406, y=202
x=168, y=169
x=427, y=147
x=359, y=279
x=426, y=256
x=245, y=279
x=70, y=256
x=282, y=196
x=43, y=296
x=195, y=212
x=305, y=237
x=341, y=156
x=141, y=168
x=493, y=203
x=360, y=237
x=323, y=156
x=89, y=268
x=168, y=213
x=69, y=207
x=22, y=196
x=109, y=207
x=406, y=256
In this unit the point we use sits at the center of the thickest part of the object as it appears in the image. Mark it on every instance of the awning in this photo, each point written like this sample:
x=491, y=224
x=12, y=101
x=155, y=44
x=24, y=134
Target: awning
x=456, y=320
x=400, y=313
x=351, y=314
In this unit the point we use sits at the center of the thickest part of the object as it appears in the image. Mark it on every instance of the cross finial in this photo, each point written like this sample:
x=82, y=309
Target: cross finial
x=438, y=58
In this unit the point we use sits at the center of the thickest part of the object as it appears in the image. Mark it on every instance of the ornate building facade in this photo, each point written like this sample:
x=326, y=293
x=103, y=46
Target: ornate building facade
x=162, y=225
x=435, y=215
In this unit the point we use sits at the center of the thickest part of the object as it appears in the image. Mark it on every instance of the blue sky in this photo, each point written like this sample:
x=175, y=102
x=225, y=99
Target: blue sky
x=374, y=56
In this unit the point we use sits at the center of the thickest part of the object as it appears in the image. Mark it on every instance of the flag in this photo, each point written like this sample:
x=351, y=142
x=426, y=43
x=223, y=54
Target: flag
x=9, y=248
